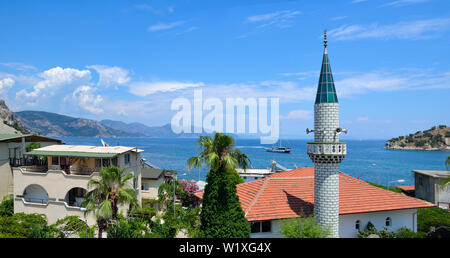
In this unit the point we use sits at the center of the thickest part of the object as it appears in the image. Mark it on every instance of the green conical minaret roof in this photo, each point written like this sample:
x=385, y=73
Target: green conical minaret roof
x=326, y=92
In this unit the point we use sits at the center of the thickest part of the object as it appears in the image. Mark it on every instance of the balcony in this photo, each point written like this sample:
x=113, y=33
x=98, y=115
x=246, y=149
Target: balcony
x=324, y=152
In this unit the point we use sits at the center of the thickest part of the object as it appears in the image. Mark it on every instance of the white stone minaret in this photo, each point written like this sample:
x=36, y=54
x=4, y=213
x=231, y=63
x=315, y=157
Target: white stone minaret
x=326, y=151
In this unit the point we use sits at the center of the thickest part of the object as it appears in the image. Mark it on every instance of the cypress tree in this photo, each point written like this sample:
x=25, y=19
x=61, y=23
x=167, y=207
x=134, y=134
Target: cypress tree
x=222, y=215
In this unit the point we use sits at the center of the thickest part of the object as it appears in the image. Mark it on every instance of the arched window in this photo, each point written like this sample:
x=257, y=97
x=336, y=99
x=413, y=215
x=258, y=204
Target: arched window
x=388, y=221
x=357, y=224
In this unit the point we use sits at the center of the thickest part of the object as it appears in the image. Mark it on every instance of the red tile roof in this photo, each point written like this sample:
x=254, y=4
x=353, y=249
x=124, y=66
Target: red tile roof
x=287, y=194
x=405, y=187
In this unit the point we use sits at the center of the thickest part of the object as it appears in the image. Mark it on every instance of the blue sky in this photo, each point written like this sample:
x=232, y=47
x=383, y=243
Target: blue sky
x=127, y=60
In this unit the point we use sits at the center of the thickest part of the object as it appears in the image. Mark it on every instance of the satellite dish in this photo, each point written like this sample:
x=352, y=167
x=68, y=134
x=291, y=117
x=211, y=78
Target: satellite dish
x=104, y=143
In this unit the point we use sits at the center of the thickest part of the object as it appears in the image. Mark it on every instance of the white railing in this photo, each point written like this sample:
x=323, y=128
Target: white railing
x=324, y=148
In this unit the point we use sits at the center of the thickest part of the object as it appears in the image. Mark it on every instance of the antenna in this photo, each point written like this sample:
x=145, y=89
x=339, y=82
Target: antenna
x=325, y=38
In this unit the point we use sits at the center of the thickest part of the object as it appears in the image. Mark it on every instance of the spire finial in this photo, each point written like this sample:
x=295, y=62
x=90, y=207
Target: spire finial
x=325, y=38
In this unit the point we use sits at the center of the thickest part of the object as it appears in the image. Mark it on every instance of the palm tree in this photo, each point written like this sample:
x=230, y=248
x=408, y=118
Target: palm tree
x=109, y=191
x=218, y=153
x=446, y=181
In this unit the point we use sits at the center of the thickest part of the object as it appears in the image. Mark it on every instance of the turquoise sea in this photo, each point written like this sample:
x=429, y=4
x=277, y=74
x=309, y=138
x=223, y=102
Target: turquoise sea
x=366, y=159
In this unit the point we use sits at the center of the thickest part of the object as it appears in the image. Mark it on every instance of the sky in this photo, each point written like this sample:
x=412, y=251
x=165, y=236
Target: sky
x=128, y=60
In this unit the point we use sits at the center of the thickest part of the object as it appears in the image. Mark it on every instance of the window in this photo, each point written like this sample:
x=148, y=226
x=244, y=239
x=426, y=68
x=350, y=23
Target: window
x=98, y=163
x=114, y=161
x=145, y=186
x=260, y=226
x=55, y=161
x=127, y=159
x=357, y=224
x=388, y=222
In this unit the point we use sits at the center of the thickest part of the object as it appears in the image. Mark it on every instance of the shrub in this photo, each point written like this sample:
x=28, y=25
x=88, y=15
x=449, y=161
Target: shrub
x=20, y=225
x=433, y=217
x=128, y=228
x=188, y=198
x=303, y=227
x=7, y=206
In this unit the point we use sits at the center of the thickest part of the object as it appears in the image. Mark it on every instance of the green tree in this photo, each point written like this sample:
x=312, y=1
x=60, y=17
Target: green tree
x=21, y=225
x=433, y=217
x=128, y=228
x=109, y=191
x=222, y=215
x=7, y=206
x=303, y=227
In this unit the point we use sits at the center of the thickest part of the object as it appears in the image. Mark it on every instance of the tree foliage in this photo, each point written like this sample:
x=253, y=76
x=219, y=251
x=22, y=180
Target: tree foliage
x=303, y=227
x=430, y=218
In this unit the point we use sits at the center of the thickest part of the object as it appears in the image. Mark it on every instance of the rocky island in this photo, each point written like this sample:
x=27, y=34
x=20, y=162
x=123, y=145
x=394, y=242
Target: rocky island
x=435, y=138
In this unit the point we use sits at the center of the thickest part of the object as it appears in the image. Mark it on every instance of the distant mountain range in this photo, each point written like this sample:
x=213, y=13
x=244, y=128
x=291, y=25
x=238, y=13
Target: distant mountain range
x=57, y=125
x=52, y=124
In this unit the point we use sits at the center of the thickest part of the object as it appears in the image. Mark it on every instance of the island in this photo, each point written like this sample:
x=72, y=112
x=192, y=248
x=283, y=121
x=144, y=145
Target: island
x=435, y=138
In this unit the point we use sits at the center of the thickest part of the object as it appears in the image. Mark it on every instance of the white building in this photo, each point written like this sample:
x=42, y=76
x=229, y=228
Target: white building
x=290, y=194
x=12, y=149
x=56, y=183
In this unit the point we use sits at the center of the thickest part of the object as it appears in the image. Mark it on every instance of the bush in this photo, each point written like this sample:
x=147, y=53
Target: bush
x=128, y=228
x=46, y=232
x=303, y=228
x=188, y=198
x=430, y=218
x=405, y=232
x=21, y=225
x=73, y=224
x=7, y=206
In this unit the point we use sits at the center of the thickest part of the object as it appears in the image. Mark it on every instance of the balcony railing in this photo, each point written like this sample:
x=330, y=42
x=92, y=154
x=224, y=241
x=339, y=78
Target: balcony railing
x=19, y=162
x=69, y=171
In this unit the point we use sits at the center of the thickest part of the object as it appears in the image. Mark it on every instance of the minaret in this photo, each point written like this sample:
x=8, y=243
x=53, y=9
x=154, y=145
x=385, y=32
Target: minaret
x=326, y=151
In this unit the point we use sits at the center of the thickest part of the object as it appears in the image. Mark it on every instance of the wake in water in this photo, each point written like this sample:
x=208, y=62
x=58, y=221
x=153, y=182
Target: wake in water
x=250, y=147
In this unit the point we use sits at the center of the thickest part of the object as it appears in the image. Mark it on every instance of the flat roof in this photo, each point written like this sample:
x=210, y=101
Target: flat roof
x=28, y=137
x=433, y=173
x=82, y=151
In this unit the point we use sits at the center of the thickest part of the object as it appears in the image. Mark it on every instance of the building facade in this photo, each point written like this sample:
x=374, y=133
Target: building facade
x=56, y=184
x=427, y=187
x=12, y=149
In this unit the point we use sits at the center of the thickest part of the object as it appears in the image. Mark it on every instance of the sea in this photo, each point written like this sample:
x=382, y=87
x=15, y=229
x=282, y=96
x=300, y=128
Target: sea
x=366, y=159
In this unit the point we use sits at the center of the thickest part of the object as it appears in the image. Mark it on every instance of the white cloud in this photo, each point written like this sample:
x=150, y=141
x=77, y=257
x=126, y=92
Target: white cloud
x=148, y=88
x=165, y=26
x=363, y=119
x=53, y=79
x=282, y=19
x=358, y=1
x=298, y=114
x=420, y=29
x=400, y=3
x=5, y=85
x=18, y=66
x=111, y=75
x=86, y=99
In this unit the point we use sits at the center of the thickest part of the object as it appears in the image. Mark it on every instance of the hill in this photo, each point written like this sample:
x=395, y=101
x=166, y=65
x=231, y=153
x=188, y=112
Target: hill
x=52, y=124
x=164, y=131
x=436, y=138
x=10, y=123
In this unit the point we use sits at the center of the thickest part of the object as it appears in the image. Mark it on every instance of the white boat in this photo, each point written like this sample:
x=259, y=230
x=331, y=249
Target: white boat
x=279, y=149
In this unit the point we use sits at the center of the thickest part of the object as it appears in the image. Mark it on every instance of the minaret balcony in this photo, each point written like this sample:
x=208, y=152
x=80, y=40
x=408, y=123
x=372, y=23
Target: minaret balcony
x=327, y=148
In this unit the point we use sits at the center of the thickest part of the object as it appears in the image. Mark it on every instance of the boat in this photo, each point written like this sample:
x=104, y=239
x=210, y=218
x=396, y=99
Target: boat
x=279, y=149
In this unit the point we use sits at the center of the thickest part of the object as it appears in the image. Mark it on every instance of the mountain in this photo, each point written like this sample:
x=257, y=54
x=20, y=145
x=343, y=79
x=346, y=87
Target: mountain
x=164, y=131
x=436, y=138
x=51, y=124
x=11, y=124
